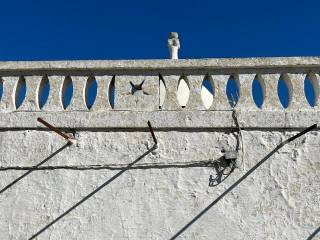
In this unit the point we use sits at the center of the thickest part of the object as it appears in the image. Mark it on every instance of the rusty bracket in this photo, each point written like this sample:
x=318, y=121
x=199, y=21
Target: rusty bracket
x=70, y=139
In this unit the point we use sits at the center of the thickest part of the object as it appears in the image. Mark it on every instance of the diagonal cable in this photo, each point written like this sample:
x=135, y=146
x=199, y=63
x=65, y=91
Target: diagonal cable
x=160, y=165
x=241, y=179
x=56, y=130
x=34, y=168
x=100, y=187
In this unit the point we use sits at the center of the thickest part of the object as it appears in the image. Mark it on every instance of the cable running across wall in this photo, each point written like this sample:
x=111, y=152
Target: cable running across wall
x=31, y=169
x=192, y=164
x=184, y=228
x=110, y=180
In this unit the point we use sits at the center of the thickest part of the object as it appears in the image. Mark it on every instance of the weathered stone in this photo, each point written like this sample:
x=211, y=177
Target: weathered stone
x=167, y=186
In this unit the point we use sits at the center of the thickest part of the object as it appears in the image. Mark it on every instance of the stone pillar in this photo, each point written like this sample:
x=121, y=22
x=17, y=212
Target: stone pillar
x=270, y=88
x=8, y=96
x=78, y=101
x=245, y=101
x=54, y=102
x=171, y=102
x=30, y=102
x=195, y=84
x=102, y=103
x=220, y=100
x=295, y=84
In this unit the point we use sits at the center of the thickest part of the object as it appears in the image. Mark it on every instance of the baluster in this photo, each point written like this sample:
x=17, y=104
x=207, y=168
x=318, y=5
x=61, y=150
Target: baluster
x=295, y=84
x=171, y=100
x=245, y=91
x=195, y=101
x=78, y=101
x=102, y=102
x=220, y=99
x=54, y=102
x=270, y=87
x=7, y=102
x=30, y=102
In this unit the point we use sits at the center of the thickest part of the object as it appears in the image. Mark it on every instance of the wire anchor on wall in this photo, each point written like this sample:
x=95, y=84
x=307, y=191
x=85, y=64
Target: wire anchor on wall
x=33, y=168
x=100, y=187
x=70, y=139
x=227, y=164
x=240, y=140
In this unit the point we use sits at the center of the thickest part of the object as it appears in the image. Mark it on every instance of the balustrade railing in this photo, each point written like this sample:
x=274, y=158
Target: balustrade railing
x=161, y=85
x=173, y=92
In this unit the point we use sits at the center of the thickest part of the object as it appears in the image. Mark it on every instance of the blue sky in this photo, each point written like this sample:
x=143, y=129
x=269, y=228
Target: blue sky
x=42, y=30
x=96, y=29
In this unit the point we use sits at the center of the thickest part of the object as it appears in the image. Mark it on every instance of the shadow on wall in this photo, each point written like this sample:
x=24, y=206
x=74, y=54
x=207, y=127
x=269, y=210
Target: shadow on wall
x=223, y=168
x=92, y=193
x=183, y=229
x=33, y=168
x=314, y=234
x=113, y=167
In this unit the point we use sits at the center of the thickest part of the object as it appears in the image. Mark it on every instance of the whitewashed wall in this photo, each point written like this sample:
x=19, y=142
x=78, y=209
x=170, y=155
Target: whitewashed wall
x=168, y=186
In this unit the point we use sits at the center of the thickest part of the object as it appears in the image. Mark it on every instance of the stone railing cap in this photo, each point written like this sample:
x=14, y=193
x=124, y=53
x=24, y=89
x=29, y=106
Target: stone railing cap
x=155, y=64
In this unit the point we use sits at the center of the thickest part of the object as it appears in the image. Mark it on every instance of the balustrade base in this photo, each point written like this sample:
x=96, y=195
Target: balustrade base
x=161, y=120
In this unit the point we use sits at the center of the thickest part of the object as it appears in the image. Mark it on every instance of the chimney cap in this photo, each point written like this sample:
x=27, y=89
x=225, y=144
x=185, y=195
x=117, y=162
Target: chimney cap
x=173, y=35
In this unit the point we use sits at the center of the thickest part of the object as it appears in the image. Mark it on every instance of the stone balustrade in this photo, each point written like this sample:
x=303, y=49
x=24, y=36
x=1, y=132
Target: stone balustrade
x=123, y=93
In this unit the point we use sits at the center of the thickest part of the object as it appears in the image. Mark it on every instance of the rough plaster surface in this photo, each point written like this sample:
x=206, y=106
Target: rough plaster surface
x=161, y=119
x=168, y=186
x=280, y=200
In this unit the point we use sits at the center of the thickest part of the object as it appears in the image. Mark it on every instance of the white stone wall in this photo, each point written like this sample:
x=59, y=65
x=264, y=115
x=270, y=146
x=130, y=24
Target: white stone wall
x=280, y=200
x=167, y=186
